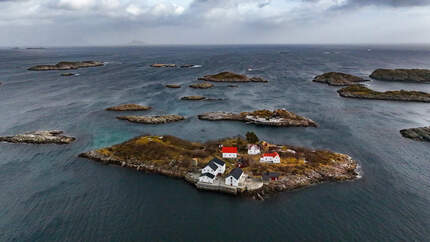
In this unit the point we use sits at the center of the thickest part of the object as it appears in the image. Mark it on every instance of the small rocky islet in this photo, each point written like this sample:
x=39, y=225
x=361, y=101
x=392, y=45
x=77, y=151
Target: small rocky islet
x=173, y=86
x=278, y=118
x=338, y=79
x=418, y=134
x=39, y=137
x=363, y=92
x=193, y=98
x=163, y=65
x=230, y=77
x=66, y=65
x=175, y=157
x=202, y=85
x=402, y=75
x=129, y=107
x=152, y=119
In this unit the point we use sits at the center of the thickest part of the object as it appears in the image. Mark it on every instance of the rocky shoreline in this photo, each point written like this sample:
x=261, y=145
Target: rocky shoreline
x=418, y=134
x=230, y=77
x=338, y=79
x=362, y=92
x=279, y=118
x=66, y=66
x=174, y=157
x=39, y=137
x=152, y=119
x=128, y=107
x=402, y=75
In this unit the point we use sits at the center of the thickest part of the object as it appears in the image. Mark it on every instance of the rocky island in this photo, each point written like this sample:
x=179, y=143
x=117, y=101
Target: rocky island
x=171, y=156
x=360, y=91
x=419, y=134
x=173, y=86
x=129, y=107
x=66, y=66
x=193, y=98
x=203, y=85
x=152, y=119
x=406, y=75
x=39, y=137
x=163, y=65
x=280, y=118
x=338, y=79
x=67, y=74
x=231, y=77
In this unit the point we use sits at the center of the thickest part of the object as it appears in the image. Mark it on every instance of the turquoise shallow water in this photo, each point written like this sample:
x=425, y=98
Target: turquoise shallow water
x=48, y=193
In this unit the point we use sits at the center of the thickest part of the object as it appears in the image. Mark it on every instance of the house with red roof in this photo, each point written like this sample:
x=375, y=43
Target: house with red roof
x=229, y=152
x=271, y=157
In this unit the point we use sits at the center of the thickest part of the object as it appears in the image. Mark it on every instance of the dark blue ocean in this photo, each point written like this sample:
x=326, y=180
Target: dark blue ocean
x=47, y=193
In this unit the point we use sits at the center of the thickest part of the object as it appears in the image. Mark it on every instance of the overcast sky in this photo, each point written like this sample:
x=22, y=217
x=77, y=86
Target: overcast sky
x=112, y=22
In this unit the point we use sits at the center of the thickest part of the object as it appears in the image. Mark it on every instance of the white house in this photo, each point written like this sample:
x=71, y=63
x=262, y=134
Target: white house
x=220, y=164
x=271, y=157
x=253, y=150
x=207, y=177
x=229, y=152
x=211, y=168
x=234, y=177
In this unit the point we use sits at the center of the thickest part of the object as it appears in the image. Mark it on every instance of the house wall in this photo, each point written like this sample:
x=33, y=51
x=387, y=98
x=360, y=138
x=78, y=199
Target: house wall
x=231, y=181
x=266, y=159
x=229, y=155
x=207, y=169
x=276, y=159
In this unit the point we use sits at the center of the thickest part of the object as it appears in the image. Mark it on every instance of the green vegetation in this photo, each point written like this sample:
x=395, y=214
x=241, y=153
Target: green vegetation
x=360, y=91
x=251, y=137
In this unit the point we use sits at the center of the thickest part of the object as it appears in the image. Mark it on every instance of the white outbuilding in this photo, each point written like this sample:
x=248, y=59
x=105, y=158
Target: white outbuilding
x=207, y=178
x=229, y=152
x=271, y=157
x=253, y=150
x=234, y=177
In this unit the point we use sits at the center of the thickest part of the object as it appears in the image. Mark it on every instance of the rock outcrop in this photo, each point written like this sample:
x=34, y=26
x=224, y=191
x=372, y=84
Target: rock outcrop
x=173, y=86
x=39, y=137
x=67, y=74
x=338, y=79
x=419, y=134
x=66, y=66
x=231, y=77
x=129, y=107
x=202, y=85
x=193, y=98
x=171, y=156
x=280, y=118
x=152, y=119
x=406, y=75
x=360, y=91
x=163, y=65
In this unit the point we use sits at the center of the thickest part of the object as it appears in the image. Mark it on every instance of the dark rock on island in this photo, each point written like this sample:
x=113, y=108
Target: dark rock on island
x=67, y=74
x=202, y=85
x=152, y=119
x=231, y=77
x=361, y=91
x=163, y=65
x=175, y=157
x=187, y=66
x=173, y=86
x=338, y=79
x=39, y=137
x=419, y=134
x=280, y=118
x=406, y=75
x=129, y=107
x=66, y=66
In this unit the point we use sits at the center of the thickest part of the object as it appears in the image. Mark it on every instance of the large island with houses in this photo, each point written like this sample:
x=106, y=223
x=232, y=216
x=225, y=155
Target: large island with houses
x=235, y=165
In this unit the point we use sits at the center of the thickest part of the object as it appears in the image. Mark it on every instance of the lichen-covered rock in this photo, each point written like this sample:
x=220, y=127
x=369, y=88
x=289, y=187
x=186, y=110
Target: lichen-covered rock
x=407, y=75
x=419, y=134
x=360, y=91
x=231, y=77
x=173, y=86
x=193, y=98
x=66, y=65
x=338, y=79
x=203, y=85
x=152, y=119
x=280, y=118
x=39, y=137
x=129, y=107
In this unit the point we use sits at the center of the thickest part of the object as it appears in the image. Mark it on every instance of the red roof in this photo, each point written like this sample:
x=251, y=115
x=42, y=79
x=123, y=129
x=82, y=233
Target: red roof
x=229, y=149
x=274, y=154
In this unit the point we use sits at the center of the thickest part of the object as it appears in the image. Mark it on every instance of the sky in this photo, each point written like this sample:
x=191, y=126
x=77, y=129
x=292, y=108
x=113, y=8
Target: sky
x=206, y=22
